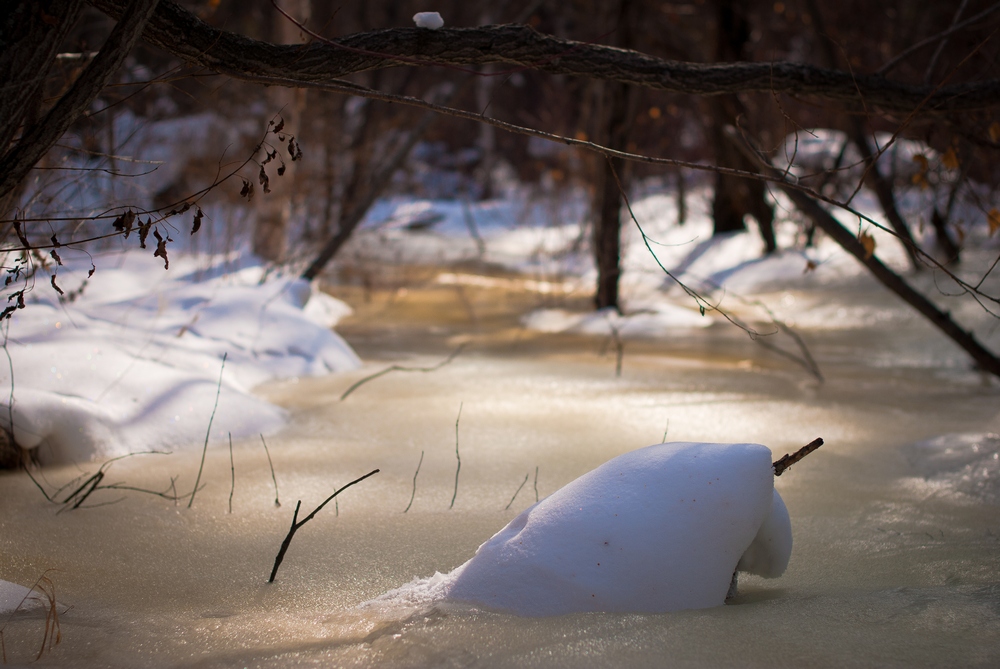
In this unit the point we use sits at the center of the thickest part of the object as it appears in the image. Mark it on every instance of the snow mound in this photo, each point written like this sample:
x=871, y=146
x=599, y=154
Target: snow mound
x=659, y=529
x=430, y=20
x=133, y=363
x=965, y=463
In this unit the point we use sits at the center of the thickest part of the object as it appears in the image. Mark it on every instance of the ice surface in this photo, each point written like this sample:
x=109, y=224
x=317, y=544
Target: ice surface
x=658, y=529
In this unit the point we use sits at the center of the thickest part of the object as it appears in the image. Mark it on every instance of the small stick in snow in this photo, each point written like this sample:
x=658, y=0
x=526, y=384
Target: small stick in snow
x=518, y=490
x=232, y=468
x=296, y=523
x=665, y=430
x=400, y=368
x=271, y=465
x=787, y=461
x=414, y=493
x=536, y=483
x=218, y=391
x=458, y=467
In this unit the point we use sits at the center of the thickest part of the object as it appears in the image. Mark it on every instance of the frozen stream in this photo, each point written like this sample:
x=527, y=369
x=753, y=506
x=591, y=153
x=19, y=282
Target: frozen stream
x=889, y=568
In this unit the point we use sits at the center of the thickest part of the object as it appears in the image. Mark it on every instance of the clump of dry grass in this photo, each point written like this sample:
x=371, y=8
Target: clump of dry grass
x=43, y=593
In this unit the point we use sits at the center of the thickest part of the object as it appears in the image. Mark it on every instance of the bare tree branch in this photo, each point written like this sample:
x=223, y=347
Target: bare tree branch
x=180, y=32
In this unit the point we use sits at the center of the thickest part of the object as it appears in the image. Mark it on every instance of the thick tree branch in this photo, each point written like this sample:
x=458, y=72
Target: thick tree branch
x=180, y=32
x=38, y=139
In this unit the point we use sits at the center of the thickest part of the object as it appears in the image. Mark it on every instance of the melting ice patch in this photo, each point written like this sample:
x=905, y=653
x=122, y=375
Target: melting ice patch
x=659, y=529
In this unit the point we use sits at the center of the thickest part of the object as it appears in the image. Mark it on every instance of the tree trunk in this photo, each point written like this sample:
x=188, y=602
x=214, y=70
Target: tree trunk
x=735, y=197
x=618, y=103
x=274, y=209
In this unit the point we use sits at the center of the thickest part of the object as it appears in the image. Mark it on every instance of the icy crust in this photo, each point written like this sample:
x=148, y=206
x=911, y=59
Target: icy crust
x=659, y=529
x=967, y=464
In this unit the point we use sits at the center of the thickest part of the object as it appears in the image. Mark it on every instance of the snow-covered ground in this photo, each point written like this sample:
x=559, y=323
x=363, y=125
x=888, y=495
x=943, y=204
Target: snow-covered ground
x=135, y=361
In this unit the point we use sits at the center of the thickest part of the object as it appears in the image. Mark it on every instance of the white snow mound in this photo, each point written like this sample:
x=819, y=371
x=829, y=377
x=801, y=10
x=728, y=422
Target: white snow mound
x=430, y=20
x=659, y=529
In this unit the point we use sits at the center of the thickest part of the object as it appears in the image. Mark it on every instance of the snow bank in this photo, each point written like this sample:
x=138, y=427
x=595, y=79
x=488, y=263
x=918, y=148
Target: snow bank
x=133, y=363
x=659, y=529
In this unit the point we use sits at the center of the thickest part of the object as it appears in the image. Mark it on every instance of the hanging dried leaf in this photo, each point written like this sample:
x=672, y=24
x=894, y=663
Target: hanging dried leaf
x=196, y=226
x=264, y=181
x=124, y=222
x=950, y=159
x=93, y=268
x=280, y=126
x=868, y=242
x=993, y=217
x=281, y=170
x=161, y=249
x=247, y=191
x=144, y=231
x=294, y=150
x=56, y=286
x=55, y=256
x=20, y=234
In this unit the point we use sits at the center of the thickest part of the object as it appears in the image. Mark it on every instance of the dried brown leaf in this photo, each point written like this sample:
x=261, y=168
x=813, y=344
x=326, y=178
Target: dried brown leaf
x=950, y=159
x=161, y=249
x=196, y=226
x=54, y=285
x=868, y=242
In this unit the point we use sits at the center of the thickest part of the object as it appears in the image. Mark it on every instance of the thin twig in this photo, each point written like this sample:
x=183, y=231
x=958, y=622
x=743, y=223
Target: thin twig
x=518, y=490
x=296, y=523
x=536, y=483
x=232, y=468
x=665, y=430
x=400, y=368
x=271, y=465
x=787, y=461
x=414, y=493
x=458, y=457
x=218, y=391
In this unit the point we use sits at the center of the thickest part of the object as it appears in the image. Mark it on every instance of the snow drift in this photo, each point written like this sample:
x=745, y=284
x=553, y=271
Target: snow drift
x=133, y=362
x=663, y=528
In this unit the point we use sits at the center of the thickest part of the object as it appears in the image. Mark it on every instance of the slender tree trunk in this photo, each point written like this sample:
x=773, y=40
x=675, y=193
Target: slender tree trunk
x=274, y=211
x=735, y=197
x=618, y=103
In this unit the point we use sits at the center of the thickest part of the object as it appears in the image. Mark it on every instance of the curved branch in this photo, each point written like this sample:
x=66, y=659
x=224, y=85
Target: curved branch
x=180, y=32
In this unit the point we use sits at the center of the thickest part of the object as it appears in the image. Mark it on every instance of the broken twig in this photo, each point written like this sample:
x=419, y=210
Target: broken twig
x=518, y=490
x=787, y=461
x=458, y=467
x=271, y=465
x=414, y=493
x=400, y=368
x=296, y=523
x=218, y=391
